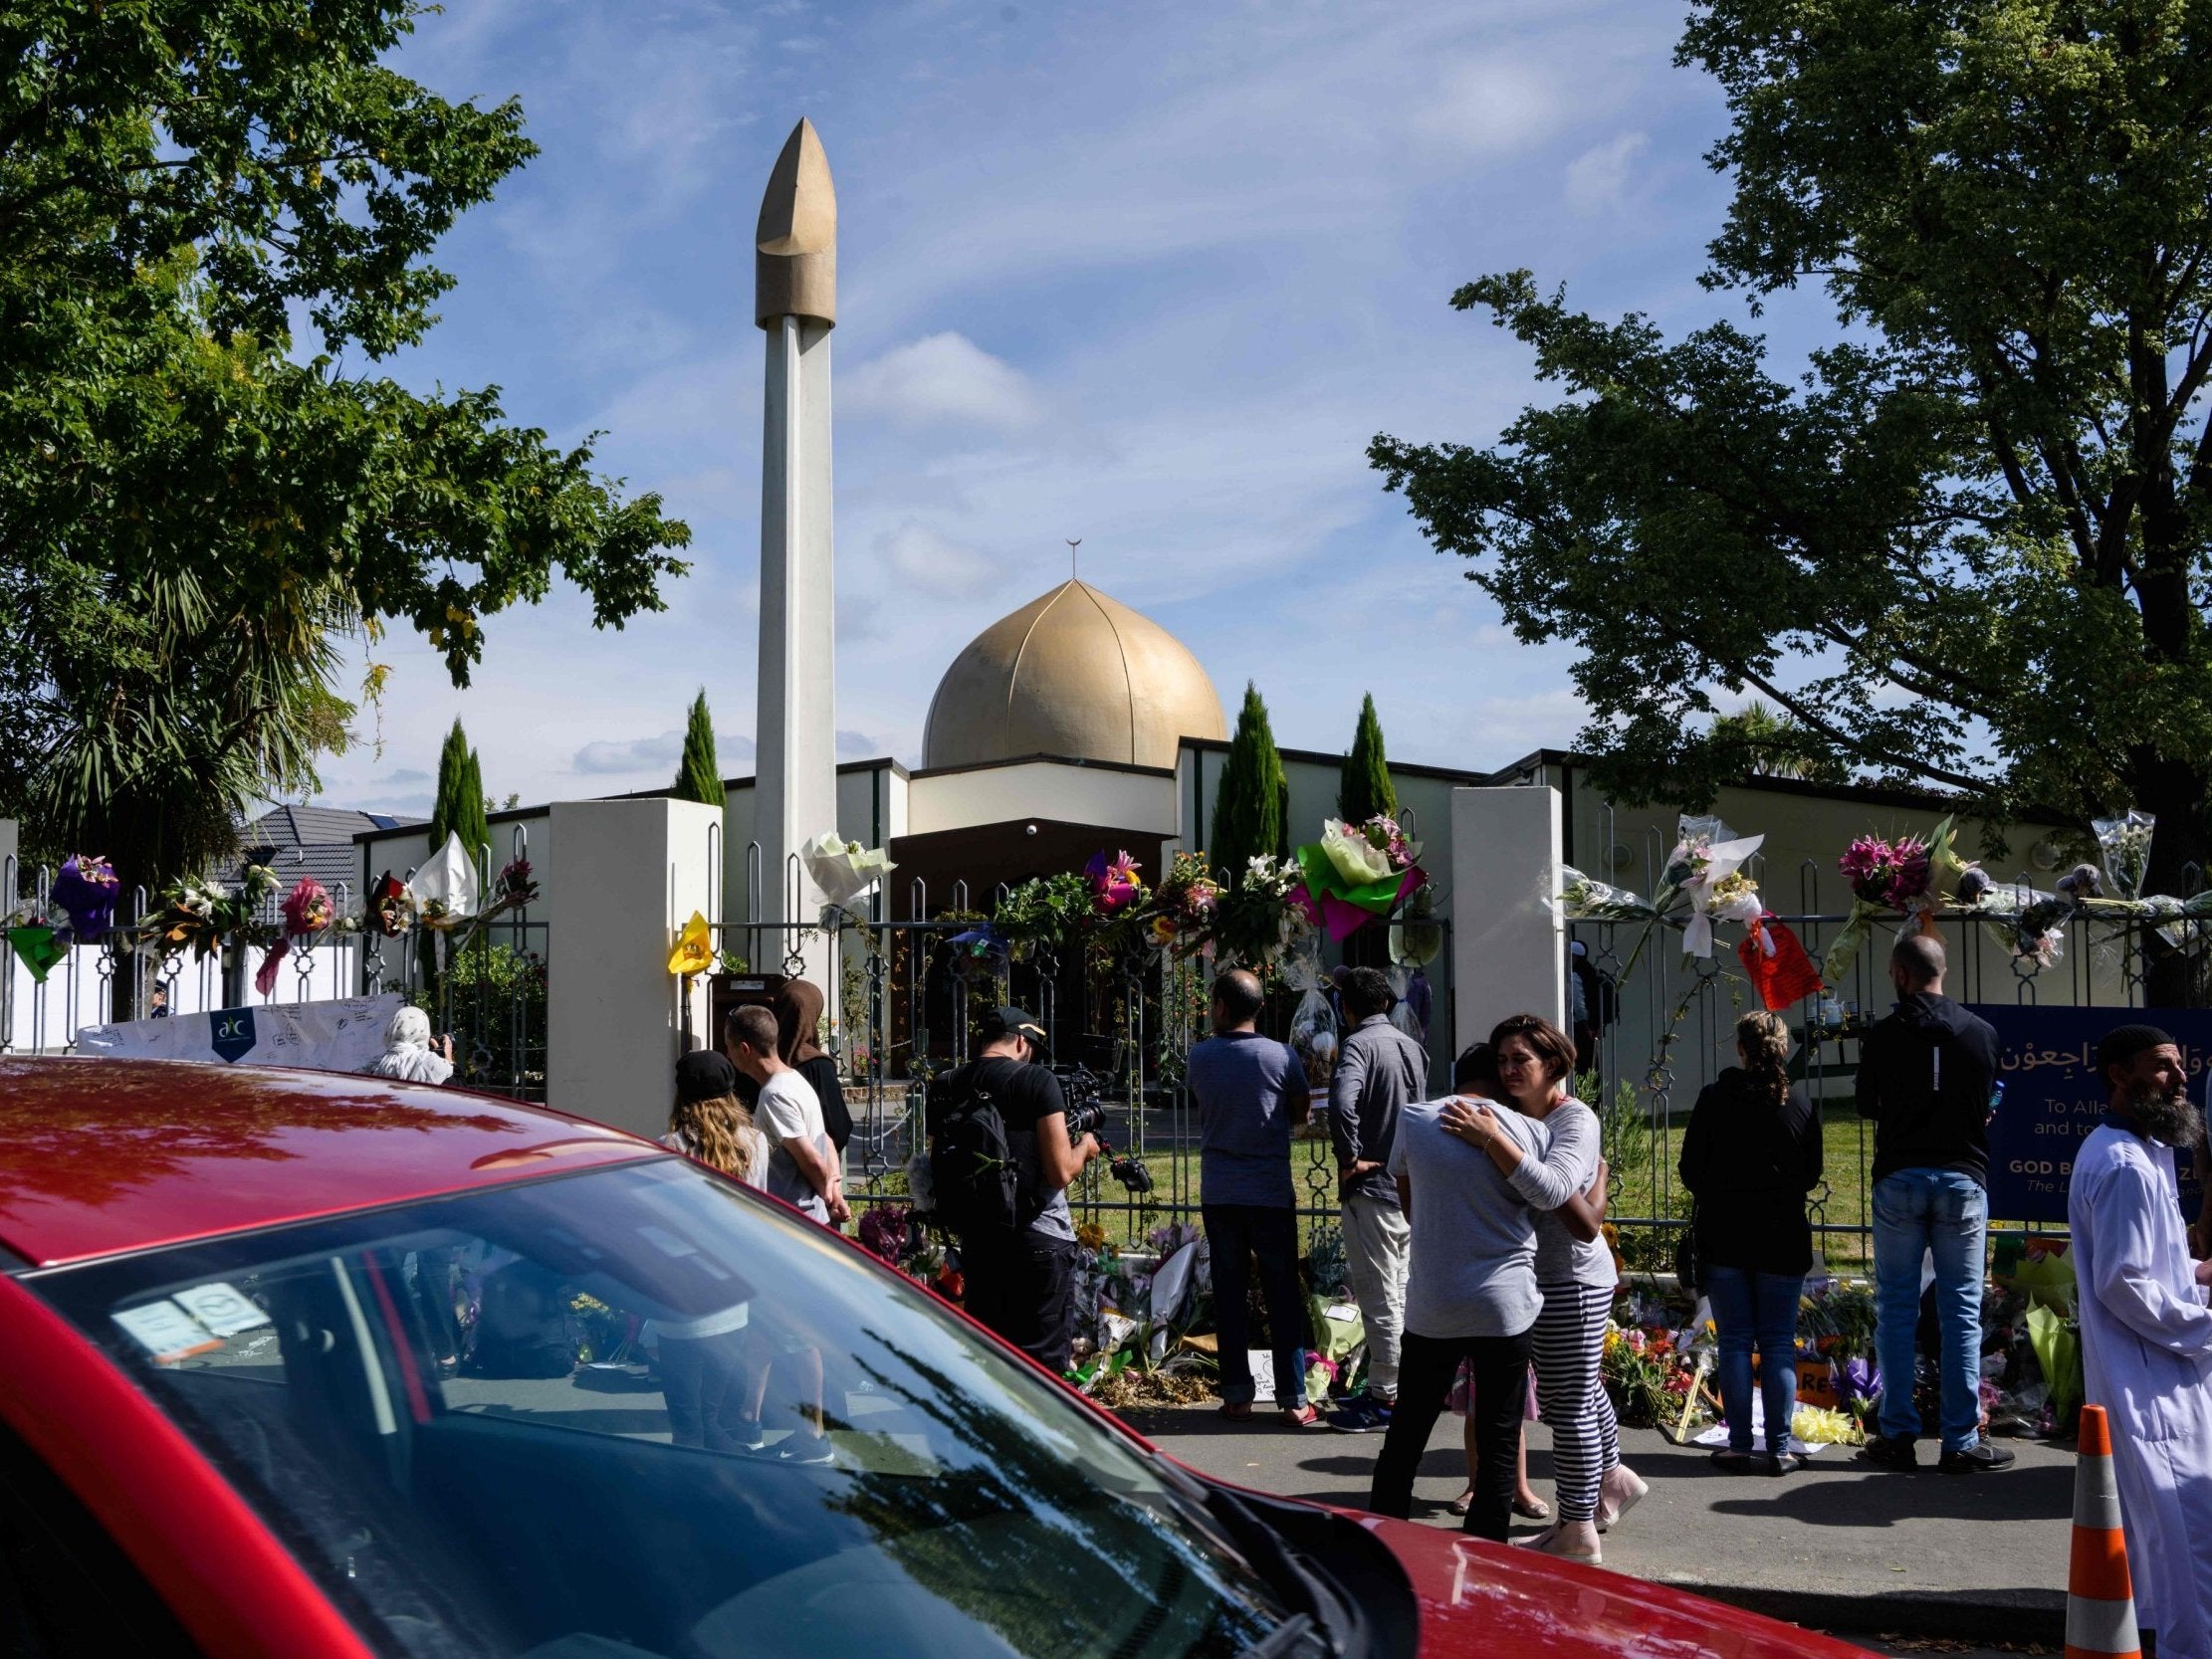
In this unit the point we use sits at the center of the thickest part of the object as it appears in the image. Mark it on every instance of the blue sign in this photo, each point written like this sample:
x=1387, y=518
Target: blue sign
x=2047, y=1061
x=233, y=1032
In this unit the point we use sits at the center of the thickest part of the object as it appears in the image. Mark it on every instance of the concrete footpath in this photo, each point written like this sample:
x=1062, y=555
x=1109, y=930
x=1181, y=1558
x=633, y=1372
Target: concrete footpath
x=1839, y=1547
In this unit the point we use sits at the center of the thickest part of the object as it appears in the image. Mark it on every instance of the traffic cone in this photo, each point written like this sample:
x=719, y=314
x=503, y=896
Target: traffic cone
x=2099, y=1600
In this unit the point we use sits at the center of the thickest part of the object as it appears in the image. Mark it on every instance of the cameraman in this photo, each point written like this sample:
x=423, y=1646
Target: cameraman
x=1020, y=1282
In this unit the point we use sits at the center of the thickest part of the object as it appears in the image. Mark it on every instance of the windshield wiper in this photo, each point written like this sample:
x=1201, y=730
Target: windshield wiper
x=1295, y=1636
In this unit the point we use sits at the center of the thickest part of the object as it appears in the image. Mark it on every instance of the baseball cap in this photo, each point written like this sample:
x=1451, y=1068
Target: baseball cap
x=704, y=1075
x=1011, y=1021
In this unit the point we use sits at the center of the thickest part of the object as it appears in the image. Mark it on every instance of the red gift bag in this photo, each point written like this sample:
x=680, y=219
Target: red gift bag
x=1776, y=963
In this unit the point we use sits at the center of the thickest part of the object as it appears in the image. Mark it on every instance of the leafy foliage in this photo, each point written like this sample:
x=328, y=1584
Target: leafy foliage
x=1364, y=789
x=189, y=511
x=1965, y=550
x=698, y=778
x=1252, y=803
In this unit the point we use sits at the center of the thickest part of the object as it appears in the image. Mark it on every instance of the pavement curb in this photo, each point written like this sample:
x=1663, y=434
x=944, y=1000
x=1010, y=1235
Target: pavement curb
x=2036, y=1617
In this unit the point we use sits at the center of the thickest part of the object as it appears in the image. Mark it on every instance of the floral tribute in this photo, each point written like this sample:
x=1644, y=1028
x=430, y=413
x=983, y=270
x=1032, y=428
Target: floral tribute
x=1704, y=882
x=1356, y=873
x=81, y=903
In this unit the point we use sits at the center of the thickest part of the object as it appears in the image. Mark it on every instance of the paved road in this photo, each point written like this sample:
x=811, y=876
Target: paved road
x=1838, y=1547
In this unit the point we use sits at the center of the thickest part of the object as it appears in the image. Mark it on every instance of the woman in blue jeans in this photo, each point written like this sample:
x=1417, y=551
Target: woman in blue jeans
x=1751, y=1153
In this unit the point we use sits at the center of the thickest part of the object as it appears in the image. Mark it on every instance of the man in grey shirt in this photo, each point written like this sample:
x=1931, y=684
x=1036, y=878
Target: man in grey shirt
x=1379, y=1070
x=1250, y=1089
x=1473, y=1295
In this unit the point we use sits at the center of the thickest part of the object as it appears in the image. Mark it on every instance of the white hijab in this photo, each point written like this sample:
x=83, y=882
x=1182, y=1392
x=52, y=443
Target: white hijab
x=408, y=1056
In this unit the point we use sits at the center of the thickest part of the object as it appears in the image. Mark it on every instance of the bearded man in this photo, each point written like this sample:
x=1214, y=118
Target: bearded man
x=2146, y=1331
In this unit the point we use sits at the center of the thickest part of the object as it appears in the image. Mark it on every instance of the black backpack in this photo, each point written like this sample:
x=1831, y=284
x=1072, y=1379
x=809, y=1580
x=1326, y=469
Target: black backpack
x=976, y=1186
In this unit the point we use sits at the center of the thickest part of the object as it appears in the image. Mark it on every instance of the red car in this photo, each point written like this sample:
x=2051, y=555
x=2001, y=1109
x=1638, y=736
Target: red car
x=293, y=1364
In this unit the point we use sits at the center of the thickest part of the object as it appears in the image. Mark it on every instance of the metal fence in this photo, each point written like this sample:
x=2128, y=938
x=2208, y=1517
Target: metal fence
x=485, y=985
x=909, y=995
x=1675, y=1033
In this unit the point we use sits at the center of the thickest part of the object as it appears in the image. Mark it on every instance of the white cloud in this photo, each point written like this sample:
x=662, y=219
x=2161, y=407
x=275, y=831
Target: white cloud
x=916, y=554
x=654, y=754
x=943, y=377
x=1597, y=178
x=858, y=746
x=1492, y=107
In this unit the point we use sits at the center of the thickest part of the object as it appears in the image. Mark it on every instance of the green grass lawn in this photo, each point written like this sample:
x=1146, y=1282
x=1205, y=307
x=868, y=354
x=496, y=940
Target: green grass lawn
x=1644, y=1189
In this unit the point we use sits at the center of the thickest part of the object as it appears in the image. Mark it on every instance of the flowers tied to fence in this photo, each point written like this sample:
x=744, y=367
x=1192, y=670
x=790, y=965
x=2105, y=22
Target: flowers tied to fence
x=1356, y=873
x=843, y=870
x=1705, y=882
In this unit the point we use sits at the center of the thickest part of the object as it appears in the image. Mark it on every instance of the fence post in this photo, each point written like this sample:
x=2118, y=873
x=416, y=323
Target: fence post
x=612, y=1009
x=1508, y=938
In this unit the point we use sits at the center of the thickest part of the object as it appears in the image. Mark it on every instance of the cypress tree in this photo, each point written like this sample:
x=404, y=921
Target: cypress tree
x=459, y=806
x=1252, y=804
x=1364, y=788
x=698, y=778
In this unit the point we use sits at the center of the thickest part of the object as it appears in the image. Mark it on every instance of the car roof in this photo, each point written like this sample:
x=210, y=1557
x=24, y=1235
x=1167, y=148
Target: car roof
x=99, y=1156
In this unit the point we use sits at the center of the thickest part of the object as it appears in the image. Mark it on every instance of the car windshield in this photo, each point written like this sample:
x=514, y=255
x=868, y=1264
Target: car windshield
x=632, y=1413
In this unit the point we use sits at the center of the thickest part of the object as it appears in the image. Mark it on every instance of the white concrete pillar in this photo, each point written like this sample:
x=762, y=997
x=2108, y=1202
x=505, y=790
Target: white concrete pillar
x=635, y=869
x=796, y=796
x=1508, y=940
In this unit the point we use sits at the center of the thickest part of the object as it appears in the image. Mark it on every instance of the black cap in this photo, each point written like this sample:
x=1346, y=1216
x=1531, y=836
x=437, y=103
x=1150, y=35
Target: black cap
x=1014, y=1022
x=704, y=1075
x=2123, y=1042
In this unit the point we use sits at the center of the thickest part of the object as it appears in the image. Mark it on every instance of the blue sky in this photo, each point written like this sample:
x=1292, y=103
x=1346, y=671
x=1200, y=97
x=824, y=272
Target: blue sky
x=1151, y=274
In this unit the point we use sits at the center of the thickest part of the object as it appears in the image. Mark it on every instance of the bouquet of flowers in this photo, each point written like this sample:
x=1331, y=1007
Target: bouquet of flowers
x=694, y=950
x=1182, y=907
x=2125, y=843
x=1356, y=873
x=1114, y=882
x=843, y=870
x=391, y=905
x=513, y=887
x=308, y=909
x=202, y=915
x=86, y=889
x=1313, y=1028
x=1705, y=882
x=445, y=887
x=1259, y=917
x=1883, y=875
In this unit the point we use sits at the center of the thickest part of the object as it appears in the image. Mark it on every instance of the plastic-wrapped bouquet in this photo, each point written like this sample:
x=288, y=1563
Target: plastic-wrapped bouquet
x=1183, y=906
x=87, y=886
x=308, y=909
x=2125, y=843
x=1114, y=882
x=1356, y=873
x=1313, y=1027
x=1883, y=876
x=843, y=870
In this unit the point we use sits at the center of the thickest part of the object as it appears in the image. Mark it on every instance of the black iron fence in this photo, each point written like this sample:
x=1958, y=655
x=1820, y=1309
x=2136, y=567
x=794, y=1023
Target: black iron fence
x=909, y=994
x=1673, y=1019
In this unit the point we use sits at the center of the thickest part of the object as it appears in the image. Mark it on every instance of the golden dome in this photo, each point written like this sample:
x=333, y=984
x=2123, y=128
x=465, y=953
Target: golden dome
x=1071, y=673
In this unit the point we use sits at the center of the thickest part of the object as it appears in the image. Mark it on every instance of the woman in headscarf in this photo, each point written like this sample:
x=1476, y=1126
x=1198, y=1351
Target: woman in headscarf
x=798, y=1024
x=409, y=1055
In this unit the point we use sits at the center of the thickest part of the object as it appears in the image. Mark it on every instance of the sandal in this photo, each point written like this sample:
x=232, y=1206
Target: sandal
x=1237, y=1411
x=1530, y=1509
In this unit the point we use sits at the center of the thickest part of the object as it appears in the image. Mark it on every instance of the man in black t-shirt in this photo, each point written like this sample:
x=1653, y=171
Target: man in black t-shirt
x=1020, y=1281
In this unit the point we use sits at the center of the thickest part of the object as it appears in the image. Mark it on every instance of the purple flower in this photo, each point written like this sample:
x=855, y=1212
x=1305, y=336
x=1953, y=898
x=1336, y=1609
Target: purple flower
x=86, y=888
x=1862, y=1379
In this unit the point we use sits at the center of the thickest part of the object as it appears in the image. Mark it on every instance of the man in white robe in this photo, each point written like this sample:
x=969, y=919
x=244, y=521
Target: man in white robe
x=2146, y=1331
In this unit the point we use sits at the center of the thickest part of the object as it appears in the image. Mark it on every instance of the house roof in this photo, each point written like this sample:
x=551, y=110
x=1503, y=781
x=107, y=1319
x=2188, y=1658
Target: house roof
x=317, y=841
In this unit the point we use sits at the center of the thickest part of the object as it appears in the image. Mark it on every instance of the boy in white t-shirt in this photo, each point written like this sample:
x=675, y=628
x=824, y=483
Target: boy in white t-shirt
x=802, y=1160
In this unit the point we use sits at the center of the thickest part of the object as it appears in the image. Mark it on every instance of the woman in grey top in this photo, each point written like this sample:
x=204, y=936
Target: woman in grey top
x=1566, y=1186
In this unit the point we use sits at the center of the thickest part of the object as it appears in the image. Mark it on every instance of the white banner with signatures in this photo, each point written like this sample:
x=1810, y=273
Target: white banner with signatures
x=339, y=1036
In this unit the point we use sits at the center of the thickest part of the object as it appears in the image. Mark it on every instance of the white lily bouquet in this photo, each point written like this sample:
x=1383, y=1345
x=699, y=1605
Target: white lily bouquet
x=843, y=870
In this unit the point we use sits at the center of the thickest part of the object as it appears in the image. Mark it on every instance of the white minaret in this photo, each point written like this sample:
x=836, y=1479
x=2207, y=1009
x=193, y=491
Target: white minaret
x=796, y=302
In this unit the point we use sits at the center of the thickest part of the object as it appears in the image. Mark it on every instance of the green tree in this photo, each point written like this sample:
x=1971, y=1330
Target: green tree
x=1755, y=741
x=1364, y=788
x=1967, y=548
x=458, y=806
x=190, y=508
x=1252, y=803
x=698, y=778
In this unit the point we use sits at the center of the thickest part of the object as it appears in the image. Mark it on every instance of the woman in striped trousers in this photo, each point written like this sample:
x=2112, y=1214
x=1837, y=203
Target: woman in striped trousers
x=1575, y=1272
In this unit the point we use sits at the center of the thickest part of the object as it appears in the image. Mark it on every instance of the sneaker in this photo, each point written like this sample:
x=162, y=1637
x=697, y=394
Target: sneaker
x=750, y=1437
x=1365, y=1415
x=1621, y=1490
x=805, y=1446
x=1301, y=1416
x=1978, y=1459
x=1891, y=1451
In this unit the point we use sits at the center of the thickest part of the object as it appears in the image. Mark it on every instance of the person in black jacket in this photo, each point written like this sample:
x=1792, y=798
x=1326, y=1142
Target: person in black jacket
x=1926, y=1076
x=1750, y=1155
x=798, y=1039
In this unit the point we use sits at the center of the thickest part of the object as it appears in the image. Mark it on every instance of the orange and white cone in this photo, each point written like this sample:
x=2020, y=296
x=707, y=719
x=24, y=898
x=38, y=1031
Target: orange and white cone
x=2099, y=1598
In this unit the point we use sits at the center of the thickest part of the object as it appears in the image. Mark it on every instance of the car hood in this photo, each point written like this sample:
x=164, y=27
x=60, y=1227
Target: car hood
x=1479, y=1598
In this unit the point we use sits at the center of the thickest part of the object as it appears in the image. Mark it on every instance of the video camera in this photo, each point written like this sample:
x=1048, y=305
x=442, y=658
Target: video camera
x=1086, y=1110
